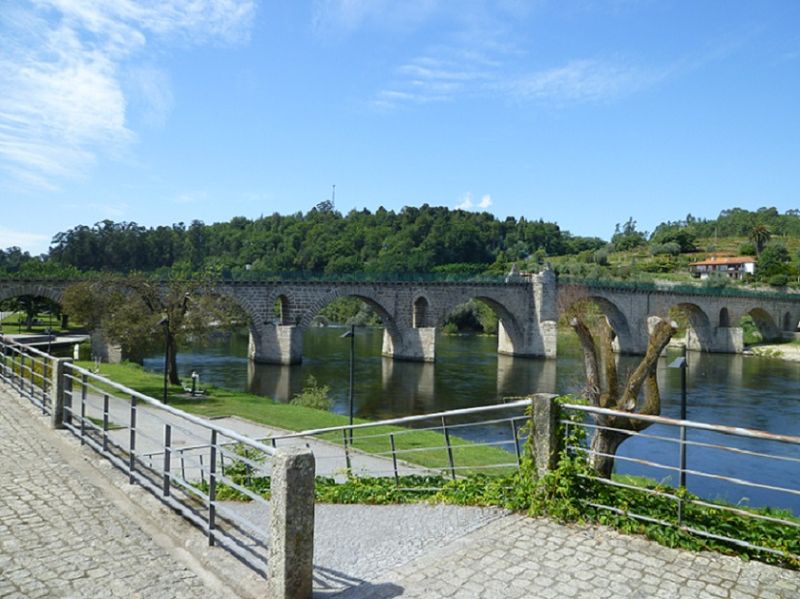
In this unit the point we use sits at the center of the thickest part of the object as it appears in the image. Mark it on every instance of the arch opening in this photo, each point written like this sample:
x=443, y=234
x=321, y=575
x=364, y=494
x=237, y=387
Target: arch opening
x=593, y=308
x=421, y=313
x=280, y=310
x=758, y=326
x=484, y=315
x=695, y=326
x=789, y=323
x=724, y=318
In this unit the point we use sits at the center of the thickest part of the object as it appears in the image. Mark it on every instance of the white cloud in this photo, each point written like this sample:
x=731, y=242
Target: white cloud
x=35, y=243
x=61, y=97
x=579, y=81
x=150, y=88
x=466, y=202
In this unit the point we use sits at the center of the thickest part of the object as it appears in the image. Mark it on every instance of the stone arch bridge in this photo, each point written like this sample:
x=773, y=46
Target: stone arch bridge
x=528, y=308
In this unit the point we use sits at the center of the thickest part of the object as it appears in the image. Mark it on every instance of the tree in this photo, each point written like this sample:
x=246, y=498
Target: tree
x=759, y=235
x=775, y=260
x=139, y=312
x=626, y=237
x=613, y=430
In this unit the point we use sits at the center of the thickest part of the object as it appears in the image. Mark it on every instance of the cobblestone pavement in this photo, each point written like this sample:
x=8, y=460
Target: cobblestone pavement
x=534, y=558
x=62, y=536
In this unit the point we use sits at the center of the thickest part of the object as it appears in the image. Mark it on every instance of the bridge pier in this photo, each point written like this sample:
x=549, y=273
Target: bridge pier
x=723, y=340
x=410, y=344
x=276, y=344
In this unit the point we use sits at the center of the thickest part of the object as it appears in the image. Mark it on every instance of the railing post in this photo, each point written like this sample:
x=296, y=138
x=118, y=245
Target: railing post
x=394, y=459
x=450, y=459
x=291, y=552
x=45, y=361
x=546, y=443
x=212, y=489
x=515, y=439
x=57, y=392
x=105, y=422
x=346, y=451
x=83, y=408
x=167, y=457
x=132, y=446
x=21, y=378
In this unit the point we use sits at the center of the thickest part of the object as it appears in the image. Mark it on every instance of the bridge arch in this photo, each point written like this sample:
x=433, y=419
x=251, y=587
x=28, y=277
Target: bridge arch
x=765, y=324
x=789, y=323
x=724, y=318
x=700, y=337
x=54, y=293
x=624, y=341
x=511, y=336
x=305, y=319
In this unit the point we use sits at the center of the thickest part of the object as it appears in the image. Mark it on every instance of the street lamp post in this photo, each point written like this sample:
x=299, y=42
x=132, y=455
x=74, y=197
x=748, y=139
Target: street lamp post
x=352, y=335
x=681, y=364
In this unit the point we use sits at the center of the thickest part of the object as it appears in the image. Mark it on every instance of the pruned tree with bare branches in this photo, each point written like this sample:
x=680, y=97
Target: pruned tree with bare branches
x=605, y=390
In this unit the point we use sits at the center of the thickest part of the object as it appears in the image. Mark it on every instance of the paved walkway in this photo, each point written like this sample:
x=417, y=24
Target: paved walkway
x=65, y=531
x=61, y=535
x=518, y=557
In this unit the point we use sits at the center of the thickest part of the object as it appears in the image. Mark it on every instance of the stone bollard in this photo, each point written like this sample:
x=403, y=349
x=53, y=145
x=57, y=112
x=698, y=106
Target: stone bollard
x=290, y=563
x=60, y=383
x=546, y=443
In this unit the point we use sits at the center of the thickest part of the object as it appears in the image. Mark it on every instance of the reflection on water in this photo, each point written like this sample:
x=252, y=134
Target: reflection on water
x=758, y=393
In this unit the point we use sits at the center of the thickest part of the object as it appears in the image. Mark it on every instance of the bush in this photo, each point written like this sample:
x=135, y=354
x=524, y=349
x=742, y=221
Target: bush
x=747, y=249
x=670, y=248
x=778, y=280
x=313, y=395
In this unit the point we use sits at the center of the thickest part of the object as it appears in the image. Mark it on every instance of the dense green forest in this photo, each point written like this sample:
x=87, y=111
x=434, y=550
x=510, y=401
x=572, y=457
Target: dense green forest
x=413, y=241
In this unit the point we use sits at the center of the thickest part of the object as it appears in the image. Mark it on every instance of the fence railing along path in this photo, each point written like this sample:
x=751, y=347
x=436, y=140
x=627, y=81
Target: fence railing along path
x=62, y=391
x=484, y=439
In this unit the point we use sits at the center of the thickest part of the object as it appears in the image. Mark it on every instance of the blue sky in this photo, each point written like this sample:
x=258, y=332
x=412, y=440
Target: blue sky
x=580, y=112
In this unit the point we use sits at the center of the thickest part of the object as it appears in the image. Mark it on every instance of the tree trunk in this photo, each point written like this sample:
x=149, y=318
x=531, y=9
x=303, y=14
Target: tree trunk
x=605, y=442
x=172, y=355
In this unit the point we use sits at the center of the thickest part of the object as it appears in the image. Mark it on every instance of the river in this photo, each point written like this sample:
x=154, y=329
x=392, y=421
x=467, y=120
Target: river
x=735, y=390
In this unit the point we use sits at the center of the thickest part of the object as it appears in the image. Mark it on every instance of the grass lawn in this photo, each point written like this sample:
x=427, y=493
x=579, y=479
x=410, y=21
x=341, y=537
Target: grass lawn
x=224, y=402
x=11, y=324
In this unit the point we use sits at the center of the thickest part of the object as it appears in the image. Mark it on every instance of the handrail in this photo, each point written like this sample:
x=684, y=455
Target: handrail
x=719, y=428
x=405, y=419
x=174, y=411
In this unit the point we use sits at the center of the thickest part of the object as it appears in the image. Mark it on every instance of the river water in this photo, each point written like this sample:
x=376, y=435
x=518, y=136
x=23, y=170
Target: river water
x=734, y=390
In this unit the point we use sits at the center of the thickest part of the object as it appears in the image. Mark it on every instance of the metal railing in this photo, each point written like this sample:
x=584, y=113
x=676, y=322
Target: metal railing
x=28, y=370
x=126, y=427
x=659, y=472
x=438, y=446
x=120, y=424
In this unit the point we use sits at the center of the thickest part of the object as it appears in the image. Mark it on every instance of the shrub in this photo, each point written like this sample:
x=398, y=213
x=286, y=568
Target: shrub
x=778, y=280
x=313, y=395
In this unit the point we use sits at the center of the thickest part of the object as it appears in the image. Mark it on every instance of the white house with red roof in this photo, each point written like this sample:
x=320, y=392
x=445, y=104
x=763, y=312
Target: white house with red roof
x=733, y=266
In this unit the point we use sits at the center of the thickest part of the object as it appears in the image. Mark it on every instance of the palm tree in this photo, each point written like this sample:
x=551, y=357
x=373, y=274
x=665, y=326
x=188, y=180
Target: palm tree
x=760, y=235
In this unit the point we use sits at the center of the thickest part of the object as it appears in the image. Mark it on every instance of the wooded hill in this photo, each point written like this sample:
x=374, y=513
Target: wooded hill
x=413, y=241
